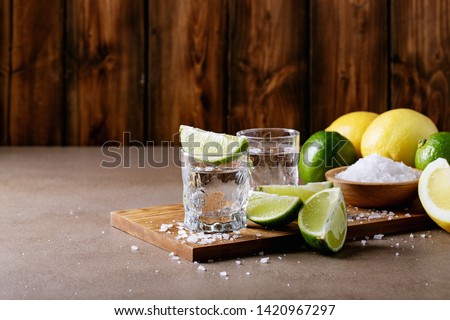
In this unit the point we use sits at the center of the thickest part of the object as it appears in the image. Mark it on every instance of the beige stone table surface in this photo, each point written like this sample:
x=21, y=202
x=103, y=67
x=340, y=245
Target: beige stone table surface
x=56, y=241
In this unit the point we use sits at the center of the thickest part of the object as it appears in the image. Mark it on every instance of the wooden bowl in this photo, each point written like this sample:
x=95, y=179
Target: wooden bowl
x=374, y=194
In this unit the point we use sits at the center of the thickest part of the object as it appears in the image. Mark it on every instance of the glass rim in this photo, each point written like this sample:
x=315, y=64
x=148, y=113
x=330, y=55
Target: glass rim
x=292, y=133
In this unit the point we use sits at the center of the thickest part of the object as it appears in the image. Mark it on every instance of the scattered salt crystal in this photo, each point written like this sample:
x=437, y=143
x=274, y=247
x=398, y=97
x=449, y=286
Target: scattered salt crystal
x=397, y=244
x=423, y=235
x=378, y=236
x=408, y=215
x=258, y=235
x=223, y=273
x=238, y=262
x=134, y=248
x=175, y=258
x=165, y=226
x=280, y=258
x=363, y=242
x=226, y=236
x=264, y=260
x=192, y=238
x=375, y=168
x=201, y=268
x=411, y=235
x=397, y=254
x=156, y=271
x=288, y=285
x=412, y=246
x=171, y=254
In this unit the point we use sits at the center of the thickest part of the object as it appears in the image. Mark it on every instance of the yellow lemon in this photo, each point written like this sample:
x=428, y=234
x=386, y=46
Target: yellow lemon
x=352, y=126
x=395, y=134
x=434, y=192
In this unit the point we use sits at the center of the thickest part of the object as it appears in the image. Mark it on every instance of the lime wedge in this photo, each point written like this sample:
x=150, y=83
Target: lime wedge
x=323, y=220
x=210, y=146
x=271, y=210
x=304, y=192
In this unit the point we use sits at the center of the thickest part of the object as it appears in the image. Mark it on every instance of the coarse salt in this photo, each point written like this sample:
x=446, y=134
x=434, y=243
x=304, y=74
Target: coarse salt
x=376, y=168
x=201, y=268
x=264, y=260
x=378, y=236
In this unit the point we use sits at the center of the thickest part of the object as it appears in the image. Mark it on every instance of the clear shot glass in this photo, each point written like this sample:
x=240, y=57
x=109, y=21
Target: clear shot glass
x=215, y=193
x=273, y=155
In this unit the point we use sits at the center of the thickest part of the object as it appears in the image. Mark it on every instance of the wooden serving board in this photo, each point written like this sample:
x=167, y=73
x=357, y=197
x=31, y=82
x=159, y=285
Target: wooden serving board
x=145, y=224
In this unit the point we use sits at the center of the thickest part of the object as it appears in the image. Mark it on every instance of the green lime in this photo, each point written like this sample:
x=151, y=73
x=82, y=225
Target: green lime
x=271, y=210
x=324, y=150
x=302, y=191
x=323, y=220
x=436, y=146
x=210, y=146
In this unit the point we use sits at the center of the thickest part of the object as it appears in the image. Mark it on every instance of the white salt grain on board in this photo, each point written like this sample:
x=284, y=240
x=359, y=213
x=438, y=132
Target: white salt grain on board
x=375, y=168
x=134, y=248
x=223, y=273
x=165, y=226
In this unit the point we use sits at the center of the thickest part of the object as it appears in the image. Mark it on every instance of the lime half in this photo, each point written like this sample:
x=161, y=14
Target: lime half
x=210, y=146
x=323, y=220
x=304, y=192
x=271, y=210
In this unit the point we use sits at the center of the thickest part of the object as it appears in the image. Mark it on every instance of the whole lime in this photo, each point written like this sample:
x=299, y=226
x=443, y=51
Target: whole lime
x=436, y=146
x=324, y=150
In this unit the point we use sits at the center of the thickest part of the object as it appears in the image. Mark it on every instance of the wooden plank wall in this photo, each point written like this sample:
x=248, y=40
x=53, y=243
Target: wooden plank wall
x=84, y=72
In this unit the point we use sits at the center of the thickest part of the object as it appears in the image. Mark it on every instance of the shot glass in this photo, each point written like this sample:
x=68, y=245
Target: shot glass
x=273, y=155
x=215, y=193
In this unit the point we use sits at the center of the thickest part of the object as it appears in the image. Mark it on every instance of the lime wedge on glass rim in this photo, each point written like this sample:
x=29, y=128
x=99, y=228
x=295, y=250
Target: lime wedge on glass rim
x=304, y=192
x=323, y=220
x=211, y=147
x=271, y=210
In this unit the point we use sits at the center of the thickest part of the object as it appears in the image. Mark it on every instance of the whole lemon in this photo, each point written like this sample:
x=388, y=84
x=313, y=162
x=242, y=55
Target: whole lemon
x=395, y=134
x=352, y=126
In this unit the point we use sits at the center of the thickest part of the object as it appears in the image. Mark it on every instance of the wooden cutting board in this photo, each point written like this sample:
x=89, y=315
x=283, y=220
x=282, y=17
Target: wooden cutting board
x=145, y=224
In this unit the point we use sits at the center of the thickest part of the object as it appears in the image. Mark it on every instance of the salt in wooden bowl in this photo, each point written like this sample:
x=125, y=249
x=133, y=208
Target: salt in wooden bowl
x=374, y=194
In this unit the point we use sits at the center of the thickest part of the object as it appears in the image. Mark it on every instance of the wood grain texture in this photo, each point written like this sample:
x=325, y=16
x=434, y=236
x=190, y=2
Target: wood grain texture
x=36, y=88
x=105, y=45
x=349, y=63
x=145, y=224
x=421, y=58
x=187, y=62
x=5, y=58
x=268, y=64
